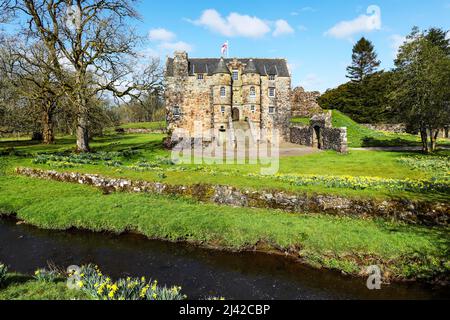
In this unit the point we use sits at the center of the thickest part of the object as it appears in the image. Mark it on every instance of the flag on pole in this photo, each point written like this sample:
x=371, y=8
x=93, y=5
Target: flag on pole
x=225, y=49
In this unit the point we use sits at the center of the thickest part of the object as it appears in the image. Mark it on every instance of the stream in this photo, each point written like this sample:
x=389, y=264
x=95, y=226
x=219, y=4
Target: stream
x=200, y=272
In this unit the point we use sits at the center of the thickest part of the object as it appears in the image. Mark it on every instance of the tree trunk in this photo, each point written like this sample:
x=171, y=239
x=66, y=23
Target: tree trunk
x=434, y=138
x=82, y=120
x=424, y=137
x=48, y=133
x=82, y=133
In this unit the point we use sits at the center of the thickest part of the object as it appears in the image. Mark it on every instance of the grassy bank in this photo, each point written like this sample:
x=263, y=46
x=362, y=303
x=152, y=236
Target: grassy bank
x=345, y=244
x=21, y=287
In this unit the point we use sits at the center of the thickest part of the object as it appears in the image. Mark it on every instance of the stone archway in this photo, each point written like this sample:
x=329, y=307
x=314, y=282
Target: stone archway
x=235, y=114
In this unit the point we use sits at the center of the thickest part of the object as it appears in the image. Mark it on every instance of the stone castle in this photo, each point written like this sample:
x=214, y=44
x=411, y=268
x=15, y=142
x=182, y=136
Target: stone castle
x=228, y=94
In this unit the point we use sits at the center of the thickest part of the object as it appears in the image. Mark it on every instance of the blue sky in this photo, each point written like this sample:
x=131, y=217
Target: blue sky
x=315, y=36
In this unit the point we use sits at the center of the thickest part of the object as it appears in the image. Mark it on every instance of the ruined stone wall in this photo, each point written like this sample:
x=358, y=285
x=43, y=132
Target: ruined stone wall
x=302, y=136
x=283, y=106
x=421, y=212
x=388, y=127
x=320, y=134
x=304, y=104
x=335, y=139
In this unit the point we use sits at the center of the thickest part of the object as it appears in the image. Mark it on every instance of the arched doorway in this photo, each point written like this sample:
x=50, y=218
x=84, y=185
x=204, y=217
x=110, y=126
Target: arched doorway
x=317, y=137
x=235, y=114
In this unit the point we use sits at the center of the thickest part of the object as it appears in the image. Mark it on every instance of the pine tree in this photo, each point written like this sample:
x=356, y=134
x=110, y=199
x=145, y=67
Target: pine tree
x=438, y=37
x=364, y=61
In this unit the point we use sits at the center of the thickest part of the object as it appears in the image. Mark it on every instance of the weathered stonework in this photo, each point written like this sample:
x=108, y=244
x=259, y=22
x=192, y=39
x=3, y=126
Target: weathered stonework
x=304, y=104
x=321, y=134
x=394, y=128
x=415, y=212
x=206, y=91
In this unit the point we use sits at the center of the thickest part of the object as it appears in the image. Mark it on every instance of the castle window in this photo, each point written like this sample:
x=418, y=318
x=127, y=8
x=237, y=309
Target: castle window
x=235, y=75
x=176, y=111
x=200, y=76
x=223, y=92
x=271, y=77
x=271, y=110
x=252, y=108
x=271, y=92
x=222, y=109
x=252, y=92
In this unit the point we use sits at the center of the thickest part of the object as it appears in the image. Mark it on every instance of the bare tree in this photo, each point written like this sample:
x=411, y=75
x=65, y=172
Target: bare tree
x=92, y=39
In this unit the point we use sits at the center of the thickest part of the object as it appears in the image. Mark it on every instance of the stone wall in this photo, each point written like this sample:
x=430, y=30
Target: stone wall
x=415, y=212
x=304, y=104
x=335, y=139
x=392, y=127
x=320, y=134
x=302, y=135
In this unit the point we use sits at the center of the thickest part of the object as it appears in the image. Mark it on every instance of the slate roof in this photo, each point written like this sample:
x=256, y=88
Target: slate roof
x=209, y=66
x=250, y=67
x=221, y=68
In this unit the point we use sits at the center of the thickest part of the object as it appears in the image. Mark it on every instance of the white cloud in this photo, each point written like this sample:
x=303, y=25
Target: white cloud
x=396, y=42
x=282, y=27
x=165, y=43
x=235, y=25
x=161, y=34
x=175, y=46
x=364, y=23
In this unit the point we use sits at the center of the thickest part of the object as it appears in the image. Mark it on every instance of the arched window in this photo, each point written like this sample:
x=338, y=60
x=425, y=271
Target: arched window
x=223, y=92
x=176, y=111
x=252, y=92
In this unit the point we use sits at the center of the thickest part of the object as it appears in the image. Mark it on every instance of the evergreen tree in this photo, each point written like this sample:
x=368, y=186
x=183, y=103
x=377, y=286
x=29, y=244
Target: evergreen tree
x=438, y=37
x=364, y=61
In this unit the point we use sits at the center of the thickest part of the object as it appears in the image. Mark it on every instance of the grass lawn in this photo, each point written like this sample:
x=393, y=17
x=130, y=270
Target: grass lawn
x=360, y=136
x=334, y=242
x=388, y=165
x=21, y=287
x=145, y=125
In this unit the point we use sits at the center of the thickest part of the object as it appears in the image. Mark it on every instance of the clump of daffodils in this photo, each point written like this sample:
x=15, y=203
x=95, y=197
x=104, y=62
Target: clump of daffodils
x=101, y=287
x=45, y=275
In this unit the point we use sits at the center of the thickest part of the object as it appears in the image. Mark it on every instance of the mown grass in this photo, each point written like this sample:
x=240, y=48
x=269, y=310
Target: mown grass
x=145, y=125
x=22, y=287
x=343, y=243
x=357, y=163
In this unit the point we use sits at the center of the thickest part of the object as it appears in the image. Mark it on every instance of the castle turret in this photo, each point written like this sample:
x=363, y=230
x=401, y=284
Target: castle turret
x=222, y=95
x=251, y=92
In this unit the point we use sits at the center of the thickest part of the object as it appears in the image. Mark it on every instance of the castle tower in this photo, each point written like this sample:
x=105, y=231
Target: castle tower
x=251, y=89
x=222, y=96
x=174, y=95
